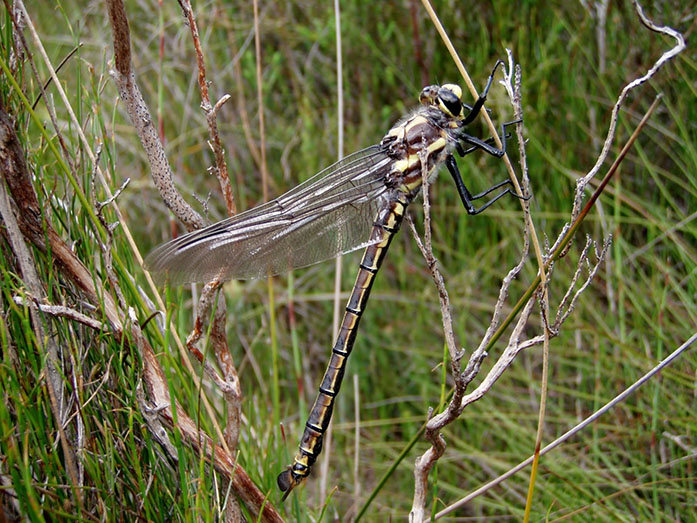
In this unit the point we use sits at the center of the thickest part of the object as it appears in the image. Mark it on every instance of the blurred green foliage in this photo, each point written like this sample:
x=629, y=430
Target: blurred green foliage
x=628, y=466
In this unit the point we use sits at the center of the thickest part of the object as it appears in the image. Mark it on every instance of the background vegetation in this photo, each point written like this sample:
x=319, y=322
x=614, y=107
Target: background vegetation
x=636, y=463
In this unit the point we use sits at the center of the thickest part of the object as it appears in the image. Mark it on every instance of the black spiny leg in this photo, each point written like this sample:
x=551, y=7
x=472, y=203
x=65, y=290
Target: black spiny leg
x=485, y=145
x=474, y=110
x=467, y=197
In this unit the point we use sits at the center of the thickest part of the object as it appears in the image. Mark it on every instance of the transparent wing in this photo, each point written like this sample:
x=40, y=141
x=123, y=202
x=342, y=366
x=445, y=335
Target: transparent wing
x=329, y=214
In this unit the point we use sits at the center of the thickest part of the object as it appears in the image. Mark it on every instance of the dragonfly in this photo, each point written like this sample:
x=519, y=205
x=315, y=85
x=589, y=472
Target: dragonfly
x=359, y=202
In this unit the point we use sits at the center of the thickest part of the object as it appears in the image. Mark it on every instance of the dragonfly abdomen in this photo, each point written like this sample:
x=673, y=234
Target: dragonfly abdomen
x=386, y=226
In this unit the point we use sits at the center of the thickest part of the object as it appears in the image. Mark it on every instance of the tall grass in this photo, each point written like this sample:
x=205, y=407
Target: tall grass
x=637, y=463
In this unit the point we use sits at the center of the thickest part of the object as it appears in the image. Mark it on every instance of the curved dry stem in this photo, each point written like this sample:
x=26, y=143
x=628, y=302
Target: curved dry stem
x=211, y=113
x=576, y=429
x=515, y=345
x=665, y=57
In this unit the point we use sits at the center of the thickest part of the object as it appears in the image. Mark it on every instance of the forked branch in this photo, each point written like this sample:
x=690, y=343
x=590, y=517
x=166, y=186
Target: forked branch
x=586, y=269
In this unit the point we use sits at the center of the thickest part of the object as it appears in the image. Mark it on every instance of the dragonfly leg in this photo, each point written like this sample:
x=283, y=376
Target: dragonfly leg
x=467, y=197
x=469, y=108
x=478, y=143
x=474, y=110
x=485, y=145
x=463, y=152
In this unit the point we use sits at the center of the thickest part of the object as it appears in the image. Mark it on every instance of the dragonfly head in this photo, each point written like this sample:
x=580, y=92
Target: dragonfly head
x=447, y=98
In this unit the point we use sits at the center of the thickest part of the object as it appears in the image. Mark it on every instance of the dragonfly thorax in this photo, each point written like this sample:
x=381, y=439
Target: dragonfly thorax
x=420, y=143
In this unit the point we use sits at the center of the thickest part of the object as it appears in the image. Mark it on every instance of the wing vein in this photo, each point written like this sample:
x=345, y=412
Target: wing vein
x=330, y=213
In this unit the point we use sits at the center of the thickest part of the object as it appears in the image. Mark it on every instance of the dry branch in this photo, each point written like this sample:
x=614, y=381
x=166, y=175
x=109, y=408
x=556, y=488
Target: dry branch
x=142, y=121
x=515, y=345
x=162, y=176
x=60, y=311
x=37, y=230
x=211, y=112
x=229, y=381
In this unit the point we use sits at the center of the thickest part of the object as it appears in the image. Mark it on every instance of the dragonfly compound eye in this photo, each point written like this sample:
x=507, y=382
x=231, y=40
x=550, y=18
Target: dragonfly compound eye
x=450, y=99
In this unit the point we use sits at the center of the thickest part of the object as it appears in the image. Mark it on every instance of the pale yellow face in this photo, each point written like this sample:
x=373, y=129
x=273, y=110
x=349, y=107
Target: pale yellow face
x=447, y=98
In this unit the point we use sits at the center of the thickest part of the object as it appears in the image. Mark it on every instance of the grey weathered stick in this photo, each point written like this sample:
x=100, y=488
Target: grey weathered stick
x=571, y=432
x=229, y=383
x=515, y=346
x=61, y=311
x=211, y=112
x=665, y=57
x=142, y=121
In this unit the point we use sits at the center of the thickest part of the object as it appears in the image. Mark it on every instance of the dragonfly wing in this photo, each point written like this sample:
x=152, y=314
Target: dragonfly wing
x=329, y=214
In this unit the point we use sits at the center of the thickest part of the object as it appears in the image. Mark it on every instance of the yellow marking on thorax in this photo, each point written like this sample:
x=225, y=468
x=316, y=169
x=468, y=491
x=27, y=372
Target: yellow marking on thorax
x=413, y=160
x=437, y=146
x=408, y=187
x=416, y=120
x=404, y=165
x=398, y=132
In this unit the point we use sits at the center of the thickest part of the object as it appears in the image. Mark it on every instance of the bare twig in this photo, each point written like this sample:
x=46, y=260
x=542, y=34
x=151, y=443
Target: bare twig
x=158, y=161
x=108, y=228
x=425, y=462
x=142, y=121
x=665, y=57
x=208, y=307
x=511, y=351
x=511, y=83
x=455, y=405
x=61, y=311
x=233, y=391
x=211, y=112
x=155, y=426
x=568, y=303
x=577, y=428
